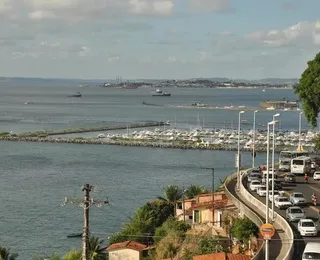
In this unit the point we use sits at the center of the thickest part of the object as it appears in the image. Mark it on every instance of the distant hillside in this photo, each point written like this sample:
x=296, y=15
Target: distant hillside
x=21, y=80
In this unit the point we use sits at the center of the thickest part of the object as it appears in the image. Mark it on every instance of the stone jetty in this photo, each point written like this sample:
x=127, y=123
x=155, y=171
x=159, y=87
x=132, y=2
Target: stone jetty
x=134, y=143
x=91, y=129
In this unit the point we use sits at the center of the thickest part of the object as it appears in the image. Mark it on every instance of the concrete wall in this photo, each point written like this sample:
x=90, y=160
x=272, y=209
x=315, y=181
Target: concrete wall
x=124, y=254
x=278, y=218
x=244, y=210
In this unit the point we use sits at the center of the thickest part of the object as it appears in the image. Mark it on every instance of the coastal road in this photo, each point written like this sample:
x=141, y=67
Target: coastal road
x=310, y=210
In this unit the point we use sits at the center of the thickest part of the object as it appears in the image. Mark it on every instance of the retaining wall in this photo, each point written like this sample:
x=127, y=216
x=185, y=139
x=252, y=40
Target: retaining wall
x=244, y=210
x=278, y=218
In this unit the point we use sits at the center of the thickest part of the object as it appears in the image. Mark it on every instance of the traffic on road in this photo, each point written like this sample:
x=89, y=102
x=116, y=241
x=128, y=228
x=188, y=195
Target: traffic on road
x=295, y=199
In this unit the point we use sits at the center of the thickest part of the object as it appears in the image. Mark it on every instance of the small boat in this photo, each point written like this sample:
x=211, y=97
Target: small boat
x=78, y=94
x=162, y=94
x=159, y=91
x=199, y=104
x=75, y=235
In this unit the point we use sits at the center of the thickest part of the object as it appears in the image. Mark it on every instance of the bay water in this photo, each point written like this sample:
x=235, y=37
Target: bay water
x=36, y=177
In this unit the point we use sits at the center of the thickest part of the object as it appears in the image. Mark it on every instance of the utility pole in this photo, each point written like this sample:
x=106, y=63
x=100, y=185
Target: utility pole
x=86, y=203
x=183, y=205
x=212, y=169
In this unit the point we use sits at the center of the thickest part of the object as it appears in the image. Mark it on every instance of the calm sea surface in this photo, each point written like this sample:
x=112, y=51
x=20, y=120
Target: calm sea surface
x=35, y=177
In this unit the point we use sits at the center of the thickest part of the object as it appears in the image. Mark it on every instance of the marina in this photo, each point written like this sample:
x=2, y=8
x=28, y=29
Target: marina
x=215, y=139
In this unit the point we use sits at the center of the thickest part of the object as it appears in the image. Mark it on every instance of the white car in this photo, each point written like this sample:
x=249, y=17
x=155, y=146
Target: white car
x=297, y=198
x=311, y=251
x=307, y=227
x=271, y=171
x=276, y=194
x=316, y=176
x=282, y=202
x=262, y=191
x=254, y=185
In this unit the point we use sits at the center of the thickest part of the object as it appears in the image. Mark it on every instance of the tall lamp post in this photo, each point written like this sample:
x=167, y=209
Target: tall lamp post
x=299, y=147
x=238, y=155
x=267, y=186
x=273, y=148
x=254, y=136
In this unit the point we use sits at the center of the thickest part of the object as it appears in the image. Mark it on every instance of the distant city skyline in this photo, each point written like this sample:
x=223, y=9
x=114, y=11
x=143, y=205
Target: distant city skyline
x=163, y=39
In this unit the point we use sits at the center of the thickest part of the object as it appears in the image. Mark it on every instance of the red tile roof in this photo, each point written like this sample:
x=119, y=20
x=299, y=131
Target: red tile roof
x=128, y=244
x=217, y=204
x=221, y=256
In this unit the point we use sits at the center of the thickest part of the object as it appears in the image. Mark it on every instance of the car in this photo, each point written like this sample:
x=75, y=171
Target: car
x=294, y=213
x=290, y=177
x=297, y=198
x=254, y=185
x=276, y=194
x=271, y=171
x=254, y=176
x=316, y=176
x=262, y=191
x=282, y=202
x=255, y=170
x=311, y=251
x=307, y=227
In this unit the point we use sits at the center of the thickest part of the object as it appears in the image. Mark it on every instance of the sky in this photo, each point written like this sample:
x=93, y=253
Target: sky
x=158, y=39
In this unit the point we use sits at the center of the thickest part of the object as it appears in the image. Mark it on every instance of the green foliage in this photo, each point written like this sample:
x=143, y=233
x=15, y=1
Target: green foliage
x=172, y=193
x=73, y=254
x=243, y=229
x=209, y=245
x=171, y=225
x=4, y=133
x=5, y=254
x=142, y=226
x=317, y=143
x=308, y=90
x=194, y=190
x=96, y=249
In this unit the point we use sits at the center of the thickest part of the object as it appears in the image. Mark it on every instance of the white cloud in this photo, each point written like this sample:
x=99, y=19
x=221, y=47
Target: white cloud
x=211, y=5
x=171, y=59
x=298, y=34
x=113, y=58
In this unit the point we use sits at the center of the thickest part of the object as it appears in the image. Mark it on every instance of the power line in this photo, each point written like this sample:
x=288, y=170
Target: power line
x=86, y=203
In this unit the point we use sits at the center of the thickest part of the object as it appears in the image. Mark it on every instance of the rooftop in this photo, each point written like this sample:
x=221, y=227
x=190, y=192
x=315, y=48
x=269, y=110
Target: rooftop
x=128, y=244
x=221, y=256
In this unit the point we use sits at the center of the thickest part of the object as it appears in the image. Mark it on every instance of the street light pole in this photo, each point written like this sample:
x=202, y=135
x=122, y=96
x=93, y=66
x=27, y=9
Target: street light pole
x=238, y=155
x=273, y=148
x=267, y=186
x=254, y=136
x=300, y=114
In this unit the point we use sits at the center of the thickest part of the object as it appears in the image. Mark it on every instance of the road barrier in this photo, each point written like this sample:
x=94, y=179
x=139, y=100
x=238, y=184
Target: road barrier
x=244, y=210
x=279, y=219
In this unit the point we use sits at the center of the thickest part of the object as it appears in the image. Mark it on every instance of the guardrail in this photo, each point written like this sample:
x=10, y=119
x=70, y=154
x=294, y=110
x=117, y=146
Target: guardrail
x=244, y=210
x=280, y=220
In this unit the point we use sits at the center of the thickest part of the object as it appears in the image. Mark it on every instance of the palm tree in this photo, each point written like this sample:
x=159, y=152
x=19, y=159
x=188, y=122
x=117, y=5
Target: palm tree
x=172, y=193
x=6, y=255
x=73, y=255
x=96, y=250
x=194, y=190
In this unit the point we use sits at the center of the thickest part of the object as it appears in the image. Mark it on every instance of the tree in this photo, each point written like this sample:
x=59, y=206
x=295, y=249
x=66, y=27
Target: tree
x=73, y=254
x=210, y=245
x=308, y=90
x=243, y=229
x=194, y=190
x=172, y=193
x=6, y=255
x=96, y=249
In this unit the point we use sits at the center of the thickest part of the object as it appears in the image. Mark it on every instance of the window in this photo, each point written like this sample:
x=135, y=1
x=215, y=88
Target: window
x=310, y=255
x=297, y=162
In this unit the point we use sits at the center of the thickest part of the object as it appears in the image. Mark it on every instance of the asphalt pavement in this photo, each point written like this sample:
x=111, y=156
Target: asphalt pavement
x=311, y=211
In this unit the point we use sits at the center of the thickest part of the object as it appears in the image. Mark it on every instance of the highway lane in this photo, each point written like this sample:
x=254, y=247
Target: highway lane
x=310, y=210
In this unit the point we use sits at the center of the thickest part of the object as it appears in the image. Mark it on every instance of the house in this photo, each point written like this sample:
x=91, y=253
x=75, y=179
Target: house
x=222, y=256
x=204, y=208
x=128, y=250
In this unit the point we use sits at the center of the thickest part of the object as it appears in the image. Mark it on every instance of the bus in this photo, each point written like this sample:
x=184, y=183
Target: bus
x=301, y=165
x=285, y=158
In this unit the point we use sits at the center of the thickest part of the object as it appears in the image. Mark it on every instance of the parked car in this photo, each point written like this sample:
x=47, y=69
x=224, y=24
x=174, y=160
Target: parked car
x=262, y=191
x=316, y=175
x=307, y=227
x=311, y=251
x=254, y=185
x=297, y=198
x=290, y=177
x=294, y=213
x=282, y=202
x=276, y=194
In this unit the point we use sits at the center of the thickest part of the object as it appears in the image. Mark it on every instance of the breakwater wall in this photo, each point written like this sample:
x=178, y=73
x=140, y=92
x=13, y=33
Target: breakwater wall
x=134, y=143
x=91, y=129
